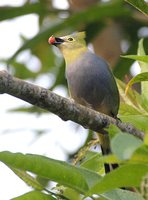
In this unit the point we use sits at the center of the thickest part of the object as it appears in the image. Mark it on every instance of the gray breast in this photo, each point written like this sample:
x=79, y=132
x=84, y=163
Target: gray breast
x=90, y=79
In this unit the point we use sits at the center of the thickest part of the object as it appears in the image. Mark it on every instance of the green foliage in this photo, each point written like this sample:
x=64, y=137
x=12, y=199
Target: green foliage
x=134, y=107
x=114, y=180
x=78, y=178
x=59, y=171
x=144, y=68
x=128, y=144
x=140, y=5
x=139, y=78
x=87, y=178
x=139, y=58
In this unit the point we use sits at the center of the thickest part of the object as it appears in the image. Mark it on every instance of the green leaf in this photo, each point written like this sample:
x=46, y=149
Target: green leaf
x=140, y=155
x=141, y=52
x=139, y=78
x=146, y=139
x=133, y=98
x=123, y=145
x=92, y=162
x=135, y=57
x=70, y=194
x=144, y=68
x=126, y=109
x=125, y=176
x=140, y=5
x=36, y=195
x=119, y=194
x=75, y=177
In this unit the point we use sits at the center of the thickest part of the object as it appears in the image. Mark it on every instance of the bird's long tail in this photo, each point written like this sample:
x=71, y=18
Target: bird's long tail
x=106, y=149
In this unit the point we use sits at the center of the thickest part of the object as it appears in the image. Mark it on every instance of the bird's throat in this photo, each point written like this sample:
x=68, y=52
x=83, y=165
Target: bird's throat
x=71, y=55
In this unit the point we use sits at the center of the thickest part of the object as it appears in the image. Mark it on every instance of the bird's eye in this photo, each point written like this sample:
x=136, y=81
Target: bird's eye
x=70, y=39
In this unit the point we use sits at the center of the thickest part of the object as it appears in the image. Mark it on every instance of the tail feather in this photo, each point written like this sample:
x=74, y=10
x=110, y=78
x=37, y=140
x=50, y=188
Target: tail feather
x=106, y=149
x=110, y=167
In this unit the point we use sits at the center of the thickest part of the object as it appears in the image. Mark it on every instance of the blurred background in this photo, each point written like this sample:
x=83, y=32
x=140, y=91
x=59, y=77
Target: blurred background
x=113, y=28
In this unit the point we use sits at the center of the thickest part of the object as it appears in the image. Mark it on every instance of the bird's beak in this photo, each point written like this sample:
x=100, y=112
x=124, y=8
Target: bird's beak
x=55, y=40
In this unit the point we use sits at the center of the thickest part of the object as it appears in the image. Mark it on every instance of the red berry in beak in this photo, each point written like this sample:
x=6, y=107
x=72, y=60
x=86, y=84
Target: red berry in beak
x=51, y=40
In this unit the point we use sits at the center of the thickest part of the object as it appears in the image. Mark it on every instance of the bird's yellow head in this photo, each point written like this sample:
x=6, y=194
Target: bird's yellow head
x=71, y=45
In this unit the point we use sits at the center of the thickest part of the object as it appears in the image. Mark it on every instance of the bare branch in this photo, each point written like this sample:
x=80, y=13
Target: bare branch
x=63, y=107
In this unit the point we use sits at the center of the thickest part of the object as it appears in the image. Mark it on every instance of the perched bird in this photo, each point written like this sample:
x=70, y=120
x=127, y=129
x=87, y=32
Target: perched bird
x=90, y=81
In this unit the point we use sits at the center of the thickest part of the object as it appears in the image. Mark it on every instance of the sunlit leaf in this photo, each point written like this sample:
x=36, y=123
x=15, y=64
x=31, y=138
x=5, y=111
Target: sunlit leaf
x=139, y=78
x=126, y=109
x=133, y=98
x=133, y=107
x=135, y=57
x=144, y=68
x=125, y=176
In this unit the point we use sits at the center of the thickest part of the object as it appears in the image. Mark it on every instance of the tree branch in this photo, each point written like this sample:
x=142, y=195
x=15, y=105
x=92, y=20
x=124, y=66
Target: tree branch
x=63, y=107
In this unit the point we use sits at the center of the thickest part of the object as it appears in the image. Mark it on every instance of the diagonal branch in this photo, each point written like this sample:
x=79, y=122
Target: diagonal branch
x=63, y=107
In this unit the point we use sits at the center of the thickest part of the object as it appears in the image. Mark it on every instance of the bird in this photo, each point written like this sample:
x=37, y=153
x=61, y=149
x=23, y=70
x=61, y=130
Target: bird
x=90, y=81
